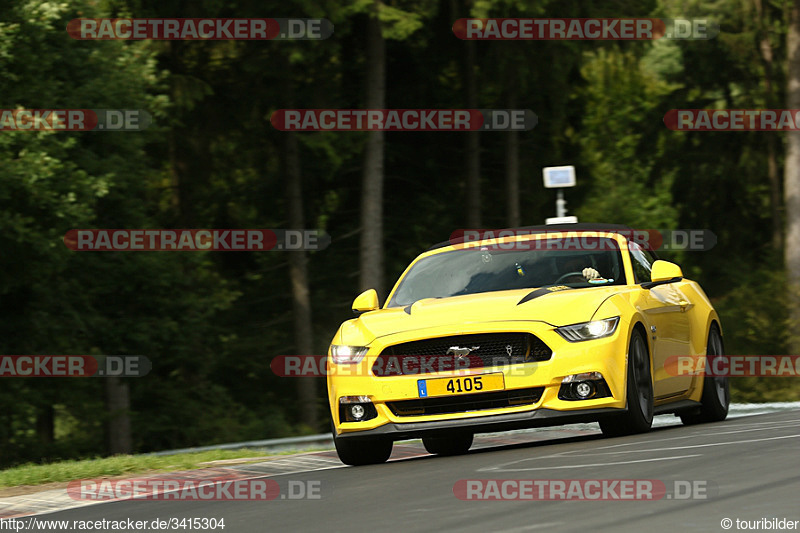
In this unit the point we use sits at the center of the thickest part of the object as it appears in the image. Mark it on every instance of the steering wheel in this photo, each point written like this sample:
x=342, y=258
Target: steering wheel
x=570, y=274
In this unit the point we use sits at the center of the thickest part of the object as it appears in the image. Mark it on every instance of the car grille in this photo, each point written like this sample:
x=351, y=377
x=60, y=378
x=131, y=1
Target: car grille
x=486, y=350
x=466, y=402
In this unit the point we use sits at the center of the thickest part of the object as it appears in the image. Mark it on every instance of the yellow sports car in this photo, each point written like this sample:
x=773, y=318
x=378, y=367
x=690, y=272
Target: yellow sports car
x=539, y=326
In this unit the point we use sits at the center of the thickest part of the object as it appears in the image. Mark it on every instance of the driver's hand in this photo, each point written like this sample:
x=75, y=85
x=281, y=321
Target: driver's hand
x=590, y=273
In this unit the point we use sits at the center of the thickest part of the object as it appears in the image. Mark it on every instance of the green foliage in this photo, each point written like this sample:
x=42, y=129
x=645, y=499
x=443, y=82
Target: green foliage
x=619, y=154
x=755, y=322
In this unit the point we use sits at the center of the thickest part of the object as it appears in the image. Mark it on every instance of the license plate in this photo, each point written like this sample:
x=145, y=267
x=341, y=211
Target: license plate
x=429, y=388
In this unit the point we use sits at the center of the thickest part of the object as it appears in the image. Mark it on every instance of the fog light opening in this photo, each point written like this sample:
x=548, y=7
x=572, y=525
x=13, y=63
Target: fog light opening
x=583, y=386
x=584, y=389
x=357, y=411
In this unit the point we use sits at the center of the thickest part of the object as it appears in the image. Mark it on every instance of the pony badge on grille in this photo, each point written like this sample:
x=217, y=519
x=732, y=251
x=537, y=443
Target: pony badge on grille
x=460, y=352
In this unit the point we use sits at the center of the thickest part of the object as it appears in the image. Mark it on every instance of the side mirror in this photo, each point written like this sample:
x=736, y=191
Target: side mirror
x=366, y=301
x=663, y=272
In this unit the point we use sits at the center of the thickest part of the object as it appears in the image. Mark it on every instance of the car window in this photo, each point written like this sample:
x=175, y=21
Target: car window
x=642, y=261
x=549, y=262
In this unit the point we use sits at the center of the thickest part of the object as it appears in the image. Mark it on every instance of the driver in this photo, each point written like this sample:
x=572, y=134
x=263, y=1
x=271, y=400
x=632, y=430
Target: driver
x=576, y=264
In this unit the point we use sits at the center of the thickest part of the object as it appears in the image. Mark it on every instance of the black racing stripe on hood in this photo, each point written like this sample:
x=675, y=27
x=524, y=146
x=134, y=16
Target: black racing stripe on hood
x=541, y=292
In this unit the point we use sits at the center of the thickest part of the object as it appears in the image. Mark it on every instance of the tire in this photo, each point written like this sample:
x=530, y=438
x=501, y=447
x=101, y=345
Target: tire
x=716, y=398
x=356, y=451
x=451, y=444
x=638, y=393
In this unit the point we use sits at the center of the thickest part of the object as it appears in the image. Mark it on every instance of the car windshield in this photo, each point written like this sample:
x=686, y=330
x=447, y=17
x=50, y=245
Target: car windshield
x=477, y=270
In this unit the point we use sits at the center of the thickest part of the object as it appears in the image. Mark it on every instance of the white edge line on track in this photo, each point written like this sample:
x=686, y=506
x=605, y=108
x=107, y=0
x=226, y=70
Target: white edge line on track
x=529, y=528
x=562, y=467
x=559, y=456
x=696, y=435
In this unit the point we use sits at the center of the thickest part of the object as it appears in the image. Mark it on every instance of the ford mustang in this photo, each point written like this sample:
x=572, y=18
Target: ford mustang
x=547, y=325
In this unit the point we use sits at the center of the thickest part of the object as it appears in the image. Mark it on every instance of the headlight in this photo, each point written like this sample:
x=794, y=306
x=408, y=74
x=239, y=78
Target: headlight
x=596, y=329
x=347, y=355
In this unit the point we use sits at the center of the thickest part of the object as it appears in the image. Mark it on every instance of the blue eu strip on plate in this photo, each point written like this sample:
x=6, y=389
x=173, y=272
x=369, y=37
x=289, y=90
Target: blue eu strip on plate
x=422, y=388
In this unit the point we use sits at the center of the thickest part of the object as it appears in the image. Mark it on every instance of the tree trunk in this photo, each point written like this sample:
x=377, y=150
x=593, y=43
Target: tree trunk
x=178, y=161
x=189, y=145
x=473, y=142
x=775, y=193
x=371, y=257
x=118, y=406
x=298, y=274
x=180, y=191
x=792, y=175
x=512, y=164
x=765, y=49
x=45, y=424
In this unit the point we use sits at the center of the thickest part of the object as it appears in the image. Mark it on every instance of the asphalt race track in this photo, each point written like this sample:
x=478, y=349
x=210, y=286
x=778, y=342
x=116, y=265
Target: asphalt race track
x=749, y=467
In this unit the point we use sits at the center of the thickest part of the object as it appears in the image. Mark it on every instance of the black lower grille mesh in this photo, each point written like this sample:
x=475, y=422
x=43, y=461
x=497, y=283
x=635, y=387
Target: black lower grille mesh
x=466, y=402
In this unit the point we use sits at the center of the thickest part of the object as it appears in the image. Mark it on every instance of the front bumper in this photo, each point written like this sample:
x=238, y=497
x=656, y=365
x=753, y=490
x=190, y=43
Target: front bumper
x=483, y=424
x=606, y=356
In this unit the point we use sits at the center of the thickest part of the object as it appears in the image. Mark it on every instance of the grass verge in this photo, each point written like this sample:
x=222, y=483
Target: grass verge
x=124, y=465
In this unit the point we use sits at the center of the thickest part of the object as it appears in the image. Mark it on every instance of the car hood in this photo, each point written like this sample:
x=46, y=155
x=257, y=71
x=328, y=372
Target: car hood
x=554, y=306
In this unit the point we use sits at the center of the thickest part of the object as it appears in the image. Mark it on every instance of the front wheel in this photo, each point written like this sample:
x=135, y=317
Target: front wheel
x=638, y=392
x=355, y=451
x=716, y=396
